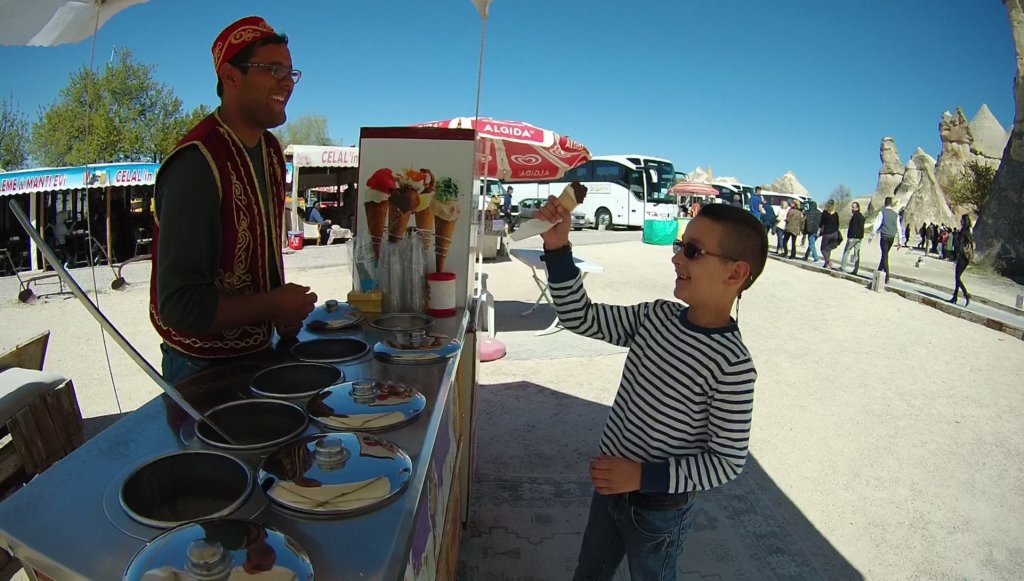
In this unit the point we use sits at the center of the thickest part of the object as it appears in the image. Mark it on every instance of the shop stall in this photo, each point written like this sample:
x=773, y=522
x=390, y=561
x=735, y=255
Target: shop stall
x=330, y=171
x=62, y=202
x=343, y=454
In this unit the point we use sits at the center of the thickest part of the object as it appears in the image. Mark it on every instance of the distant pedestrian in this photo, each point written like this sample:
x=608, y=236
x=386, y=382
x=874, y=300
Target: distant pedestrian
x=854, y=235
x=829, y=232
x=933, y=238
x=924, y=237
x=964, y=256
x=780, y=229
x=755, y=203
x=888, y=223
x=794, y=226
x=812, y=225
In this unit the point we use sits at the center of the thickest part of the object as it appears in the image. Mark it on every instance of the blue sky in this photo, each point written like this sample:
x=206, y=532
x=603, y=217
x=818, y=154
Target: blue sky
x=751, y=88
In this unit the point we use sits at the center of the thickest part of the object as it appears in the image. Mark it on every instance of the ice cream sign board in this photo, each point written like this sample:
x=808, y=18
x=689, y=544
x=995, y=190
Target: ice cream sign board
x=421, y=178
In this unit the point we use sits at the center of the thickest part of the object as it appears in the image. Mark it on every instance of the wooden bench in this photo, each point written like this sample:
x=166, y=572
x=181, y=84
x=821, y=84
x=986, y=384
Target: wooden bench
x=40, y=421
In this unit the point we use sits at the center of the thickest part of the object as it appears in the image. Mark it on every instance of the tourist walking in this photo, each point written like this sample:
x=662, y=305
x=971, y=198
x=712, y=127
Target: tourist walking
x=964, y=256
x=888, y=224
x=794, y=226
x=854, y=235
x=924, y=237
x=830, y=236
x=812, y=225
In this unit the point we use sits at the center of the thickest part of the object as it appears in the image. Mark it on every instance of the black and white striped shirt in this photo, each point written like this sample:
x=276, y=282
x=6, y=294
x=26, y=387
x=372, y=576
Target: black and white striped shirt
x=685, y=399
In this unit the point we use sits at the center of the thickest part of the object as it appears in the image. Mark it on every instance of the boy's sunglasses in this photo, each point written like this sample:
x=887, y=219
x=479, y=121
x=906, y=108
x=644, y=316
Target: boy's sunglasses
x=692, y=251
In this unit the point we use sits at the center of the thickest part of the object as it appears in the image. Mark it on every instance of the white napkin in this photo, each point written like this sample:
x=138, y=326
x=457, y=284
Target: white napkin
x=531, y=228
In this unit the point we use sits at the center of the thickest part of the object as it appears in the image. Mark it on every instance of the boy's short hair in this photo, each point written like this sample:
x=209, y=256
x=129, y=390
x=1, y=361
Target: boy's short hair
x=745, y=238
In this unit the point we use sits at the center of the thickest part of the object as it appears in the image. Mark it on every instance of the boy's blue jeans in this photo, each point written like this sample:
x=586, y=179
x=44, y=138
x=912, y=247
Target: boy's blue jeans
x=651, y=540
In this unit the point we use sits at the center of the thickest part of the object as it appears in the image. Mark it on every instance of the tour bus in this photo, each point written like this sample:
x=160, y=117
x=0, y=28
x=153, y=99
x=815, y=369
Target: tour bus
x=780, y=201
x=621, y=189
x=734, y=193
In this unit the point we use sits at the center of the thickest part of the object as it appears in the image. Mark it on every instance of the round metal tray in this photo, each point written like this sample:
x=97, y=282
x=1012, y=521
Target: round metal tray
x=432, y=349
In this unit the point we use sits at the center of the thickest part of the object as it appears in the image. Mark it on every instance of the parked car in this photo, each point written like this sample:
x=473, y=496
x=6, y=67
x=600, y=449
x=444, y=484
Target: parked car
x=529, y=206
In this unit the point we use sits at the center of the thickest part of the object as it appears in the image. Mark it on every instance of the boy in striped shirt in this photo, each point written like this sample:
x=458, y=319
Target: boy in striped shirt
x=680, y=422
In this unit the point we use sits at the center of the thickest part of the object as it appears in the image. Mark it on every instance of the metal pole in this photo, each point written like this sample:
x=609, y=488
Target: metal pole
x=108, y=326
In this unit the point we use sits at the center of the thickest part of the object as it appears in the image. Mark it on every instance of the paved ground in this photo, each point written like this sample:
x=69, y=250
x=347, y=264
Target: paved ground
x=886, y=441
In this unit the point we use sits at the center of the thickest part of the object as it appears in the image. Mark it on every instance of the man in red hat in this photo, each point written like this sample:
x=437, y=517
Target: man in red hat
x=217, y=287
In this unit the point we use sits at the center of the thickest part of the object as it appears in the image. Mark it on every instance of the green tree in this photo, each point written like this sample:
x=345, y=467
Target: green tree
x=971, y=189
x=13, y=137
x=118, y=114
x=308, y=129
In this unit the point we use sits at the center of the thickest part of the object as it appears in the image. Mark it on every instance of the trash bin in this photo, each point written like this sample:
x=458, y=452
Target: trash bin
x=295, y=240
x=660, y=232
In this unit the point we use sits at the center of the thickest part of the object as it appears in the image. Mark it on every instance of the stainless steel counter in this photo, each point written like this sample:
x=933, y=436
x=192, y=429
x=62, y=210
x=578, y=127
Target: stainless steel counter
x=59, y=525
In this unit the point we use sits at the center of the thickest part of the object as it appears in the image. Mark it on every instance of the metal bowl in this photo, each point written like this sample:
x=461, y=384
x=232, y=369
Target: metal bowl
x=330, y=350
x=295, y=380
x=176, y=488
x=253, y=424
x=405, y=328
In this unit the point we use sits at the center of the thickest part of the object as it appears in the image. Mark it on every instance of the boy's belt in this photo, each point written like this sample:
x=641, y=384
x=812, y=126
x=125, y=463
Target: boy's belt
x=659, y=501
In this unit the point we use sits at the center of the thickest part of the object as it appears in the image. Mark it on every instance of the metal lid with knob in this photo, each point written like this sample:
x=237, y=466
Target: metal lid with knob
x=220, y=550
x=335, y=474
x=367, y=405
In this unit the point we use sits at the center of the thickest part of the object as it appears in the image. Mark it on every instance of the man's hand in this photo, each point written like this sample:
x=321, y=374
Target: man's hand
x=292, y=302
x=612, y=475
x=558, y=235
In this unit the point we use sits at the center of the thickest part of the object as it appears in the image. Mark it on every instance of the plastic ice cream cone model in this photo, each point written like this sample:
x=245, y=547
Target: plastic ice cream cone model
x=445, y=207
x=379, y=189
x=571, y=196
x=424, y=215
x=404, y=202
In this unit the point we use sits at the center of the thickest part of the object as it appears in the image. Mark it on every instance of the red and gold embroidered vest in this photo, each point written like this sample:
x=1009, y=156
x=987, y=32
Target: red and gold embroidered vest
x=250, y=239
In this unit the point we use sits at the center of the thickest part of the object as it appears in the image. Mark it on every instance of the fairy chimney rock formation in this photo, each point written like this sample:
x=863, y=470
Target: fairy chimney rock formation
x=889, y=176
x=701, y=176
x=989, y=136
x=920, y=195
x=955, y=133
x=788, y=184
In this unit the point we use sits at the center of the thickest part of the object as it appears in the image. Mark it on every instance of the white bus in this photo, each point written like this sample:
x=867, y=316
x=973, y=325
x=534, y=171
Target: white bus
x=621, y=189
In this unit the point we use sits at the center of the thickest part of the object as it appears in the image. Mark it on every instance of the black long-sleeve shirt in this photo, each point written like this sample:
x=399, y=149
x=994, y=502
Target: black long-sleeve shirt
x=856, y=228
x=829, y=223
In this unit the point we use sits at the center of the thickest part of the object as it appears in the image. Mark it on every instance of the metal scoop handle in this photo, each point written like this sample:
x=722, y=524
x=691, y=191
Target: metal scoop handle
x=107, y=326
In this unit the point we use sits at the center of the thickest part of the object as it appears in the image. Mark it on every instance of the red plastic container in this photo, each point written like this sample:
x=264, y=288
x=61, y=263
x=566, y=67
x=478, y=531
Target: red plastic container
x=296, y=240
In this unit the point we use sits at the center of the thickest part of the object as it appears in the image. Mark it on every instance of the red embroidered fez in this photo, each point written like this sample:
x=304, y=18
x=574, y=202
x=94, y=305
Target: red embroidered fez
x=237, y=36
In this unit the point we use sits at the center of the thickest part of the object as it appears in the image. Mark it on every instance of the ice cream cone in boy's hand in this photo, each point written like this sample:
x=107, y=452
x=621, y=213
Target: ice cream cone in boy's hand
x=404, y=202
x=572, y=195
x=445, y=207
x=379, y=188
x=424, y=215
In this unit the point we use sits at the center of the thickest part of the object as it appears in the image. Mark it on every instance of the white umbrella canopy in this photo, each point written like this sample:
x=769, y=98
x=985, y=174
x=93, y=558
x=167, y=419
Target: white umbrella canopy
x=54, y=22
